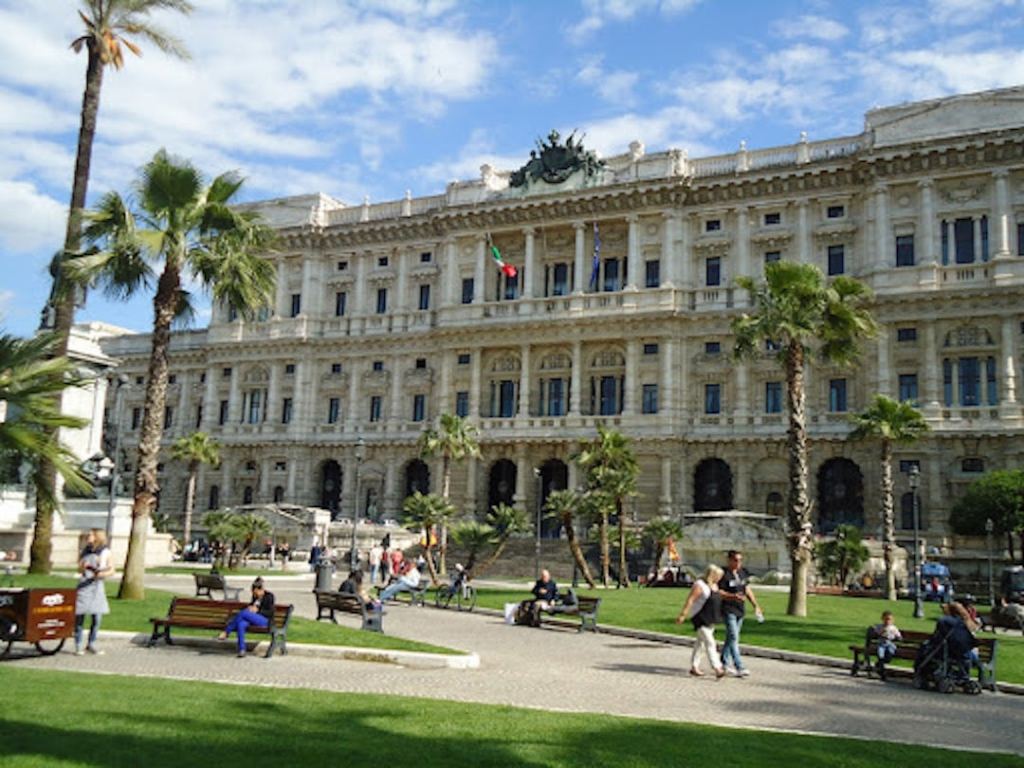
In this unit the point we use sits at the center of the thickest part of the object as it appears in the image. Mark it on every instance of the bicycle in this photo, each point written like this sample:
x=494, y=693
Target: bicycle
x=461, y=591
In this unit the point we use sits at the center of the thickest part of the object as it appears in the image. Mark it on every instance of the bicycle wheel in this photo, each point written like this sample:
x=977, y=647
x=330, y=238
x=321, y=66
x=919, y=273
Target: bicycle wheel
x=467, y=599
x=49, y=647
x=443, y=597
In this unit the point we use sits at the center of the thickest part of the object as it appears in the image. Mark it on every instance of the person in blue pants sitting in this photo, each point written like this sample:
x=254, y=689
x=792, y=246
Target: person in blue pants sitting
x=259, y=613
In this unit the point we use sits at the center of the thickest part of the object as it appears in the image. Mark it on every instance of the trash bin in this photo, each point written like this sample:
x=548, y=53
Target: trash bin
x=323, y=576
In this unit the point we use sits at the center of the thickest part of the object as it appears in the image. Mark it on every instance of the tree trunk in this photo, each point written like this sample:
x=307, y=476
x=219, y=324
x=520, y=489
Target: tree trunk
x=800, y=538
x=62, y=303
x=146, y=486
x=442, y=538
x=577, y=553
x=190, y=501
x=623, y=572
x=1009, y=545
x=602, y=530
x=888, y=525
x=491, y=560
x=430, y=560
x=659, y=551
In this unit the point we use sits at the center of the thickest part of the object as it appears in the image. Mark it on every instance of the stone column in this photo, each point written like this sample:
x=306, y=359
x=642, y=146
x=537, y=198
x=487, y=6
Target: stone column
x=741, y=298
x=931, y=371
x=950, y=241
x=632, y=252
x=264, y=490
x=360, y=293
x=443, y=393
x=182, y=420
x=281, y=310
x=682, y=375
x=933, y=489
x=999, y=233
x=976, y=230
x=308, y=303
x=742, y=411
x=274, y=396
x=392, y=492
x=235, y=413
x=398, y=411
x=575, y=385
x=479, y=293
x=669, y=235
x=211, y=408
x=579, y=272
x=524, y=382
x=1008, y=405
x=527, y=281
x=882, y=228
x=402, y=266
x=685, y=256
x=665, y=502
x=666, y=388
x=298, y=425
x=884, y=371
x=741, y=485
x=314, y=415
x=474, y=388
x=290, y=488
x=632, y=368
x=523, y=475
x=927, y=223
x=803, y=233
x=226, y=499
x=354, y=372
x=471, y=472
x=685, y=483
x=453, y=281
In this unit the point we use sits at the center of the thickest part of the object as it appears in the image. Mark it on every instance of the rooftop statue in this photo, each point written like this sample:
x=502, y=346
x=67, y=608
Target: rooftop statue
x=553, y=162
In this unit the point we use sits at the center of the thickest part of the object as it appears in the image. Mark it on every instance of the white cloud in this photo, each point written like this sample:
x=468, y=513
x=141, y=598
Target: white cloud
x=29, y=220
x=601, y=12
x=617, y=87
x=6, y=298
x=815, y=27
x=965, y=12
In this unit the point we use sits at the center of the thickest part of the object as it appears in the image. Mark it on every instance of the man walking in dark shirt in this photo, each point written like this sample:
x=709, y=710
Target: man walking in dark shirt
x=735, y=591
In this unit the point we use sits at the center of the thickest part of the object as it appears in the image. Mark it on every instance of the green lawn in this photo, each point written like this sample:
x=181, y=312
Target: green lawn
x=831, y=625
x=158, y=723
x=134, y=615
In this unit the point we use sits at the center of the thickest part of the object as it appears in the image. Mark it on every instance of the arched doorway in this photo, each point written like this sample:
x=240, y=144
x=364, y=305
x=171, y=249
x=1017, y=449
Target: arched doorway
x=247, y=495
x=840, y=495
x=278, y=494
x=502, y=486
x=330, y=487
x=712, y=486
x=554, y=476
x=417, y=477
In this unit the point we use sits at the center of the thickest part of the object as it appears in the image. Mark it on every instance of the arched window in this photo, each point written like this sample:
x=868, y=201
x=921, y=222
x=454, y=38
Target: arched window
x=247, y=495
x=214, y=500
x=773, y=504
x=278, y=494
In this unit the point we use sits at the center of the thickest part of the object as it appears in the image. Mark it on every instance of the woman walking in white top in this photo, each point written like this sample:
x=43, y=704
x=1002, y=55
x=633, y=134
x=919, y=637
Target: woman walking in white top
x=91, y=598
x=703, y=607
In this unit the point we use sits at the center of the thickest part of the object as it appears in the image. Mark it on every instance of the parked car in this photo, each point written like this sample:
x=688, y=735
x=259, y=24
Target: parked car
x=1011, y=584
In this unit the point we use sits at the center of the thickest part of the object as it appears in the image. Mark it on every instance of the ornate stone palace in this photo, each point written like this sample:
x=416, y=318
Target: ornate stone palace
x=387, y=315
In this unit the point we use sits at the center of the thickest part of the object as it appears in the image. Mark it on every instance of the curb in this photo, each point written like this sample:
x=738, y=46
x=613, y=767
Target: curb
x=756, y=651
x=411, y=659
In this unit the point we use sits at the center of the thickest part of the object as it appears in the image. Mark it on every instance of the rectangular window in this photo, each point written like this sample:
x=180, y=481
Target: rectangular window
x=836, y=260
x=712, y=347
x=560, y=280
x=650, y=349
x=970, y=381
x=835, y=212
x=382, y=300
x=1020, y=238
x=611, y=274
x=972, y=465
x=904, y=250
x=773, y=397
x=712, y=399
x=289, y=369
x=333, y=410
x=463, y=358
x=378, y=365
x=908, y=387
x=222, y=415
x=172, y=379
x=137, y=417
x=992, y=394
x=906, y=334
x=225, y=373
x=421, y=363
x=963, y=240
x=556, y=397
x=837, y=395
x=255, y=403
x=713, y=225
x=199, y=417
x=506, y=398
x=772, y=218
x=140, y=379
x=168, y=417
x=462, y=404
x=419, y=407
x=652, y=273
x=340, y=303
x=342, y=266
x=426, y=257
x=296, y=304
x=947, y=382
x=770, y=257
x=335, y=368
x=650, y=398
x=375, y=403
x=983, y=224
x=286, y=411
x=713, y=271
x=467, y=290
x=609, y=396
x=511, y=287
x=424, y=297
x=906, y=464
x=382, y=261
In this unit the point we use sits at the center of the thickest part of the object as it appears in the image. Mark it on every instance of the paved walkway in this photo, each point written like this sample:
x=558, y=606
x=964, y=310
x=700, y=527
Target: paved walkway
x=562, y=670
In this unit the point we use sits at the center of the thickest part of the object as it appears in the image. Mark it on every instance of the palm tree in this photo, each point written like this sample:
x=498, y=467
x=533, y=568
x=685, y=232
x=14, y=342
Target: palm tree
x=564, y=506
x=610, y=467
x=797, y=311
x=473, y=537
x=424, y=512
x=455, y=439
x=195, y=449
x=661, y=531
x=888, y=421
x=108, y=25
x=31, y=382
x=188, y=230
x=506, y=522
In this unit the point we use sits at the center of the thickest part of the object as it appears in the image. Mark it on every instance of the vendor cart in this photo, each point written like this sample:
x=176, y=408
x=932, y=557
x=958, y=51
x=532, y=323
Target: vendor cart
x=43, y=617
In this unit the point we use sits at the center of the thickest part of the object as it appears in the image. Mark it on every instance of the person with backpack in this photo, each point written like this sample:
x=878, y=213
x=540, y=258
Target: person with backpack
x=703, y=607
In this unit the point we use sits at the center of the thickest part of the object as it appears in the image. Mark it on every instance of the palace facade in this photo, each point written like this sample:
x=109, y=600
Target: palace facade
x=387, y=315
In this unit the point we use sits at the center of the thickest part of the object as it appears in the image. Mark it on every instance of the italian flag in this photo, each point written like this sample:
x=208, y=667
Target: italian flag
x=507, y=269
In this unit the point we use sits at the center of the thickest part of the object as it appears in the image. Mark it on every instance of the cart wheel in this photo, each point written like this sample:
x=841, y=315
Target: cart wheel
x=944, y=685
x=50, y=647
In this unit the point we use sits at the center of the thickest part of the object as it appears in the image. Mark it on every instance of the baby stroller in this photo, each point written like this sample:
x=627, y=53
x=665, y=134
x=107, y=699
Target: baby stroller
x=944, y=661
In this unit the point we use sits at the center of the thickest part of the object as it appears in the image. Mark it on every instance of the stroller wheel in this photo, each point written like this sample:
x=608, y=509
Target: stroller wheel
x=920, y=682
x=944, y=685
x=972, y=688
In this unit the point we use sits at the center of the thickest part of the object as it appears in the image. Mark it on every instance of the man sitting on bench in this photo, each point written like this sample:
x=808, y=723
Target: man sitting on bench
x=259, y=613
x=545, y=593
x=407, y=582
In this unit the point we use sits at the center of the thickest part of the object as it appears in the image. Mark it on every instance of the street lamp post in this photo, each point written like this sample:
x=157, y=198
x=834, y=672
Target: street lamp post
x=536, y=545
x=119, y=382
x=915, y=479
x=360, y=455
x=989, y=528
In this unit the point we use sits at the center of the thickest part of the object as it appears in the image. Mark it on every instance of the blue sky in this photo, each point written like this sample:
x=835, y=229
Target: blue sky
x=370, y=98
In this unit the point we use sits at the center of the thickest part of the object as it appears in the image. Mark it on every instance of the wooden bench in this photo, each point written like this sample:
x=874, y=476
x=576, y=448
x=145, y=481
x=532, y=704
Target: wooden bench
x=207, y=581
x=417, y=596
x=585, y=608
x=329, y=603
x=866, y=655
x=214, y=614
